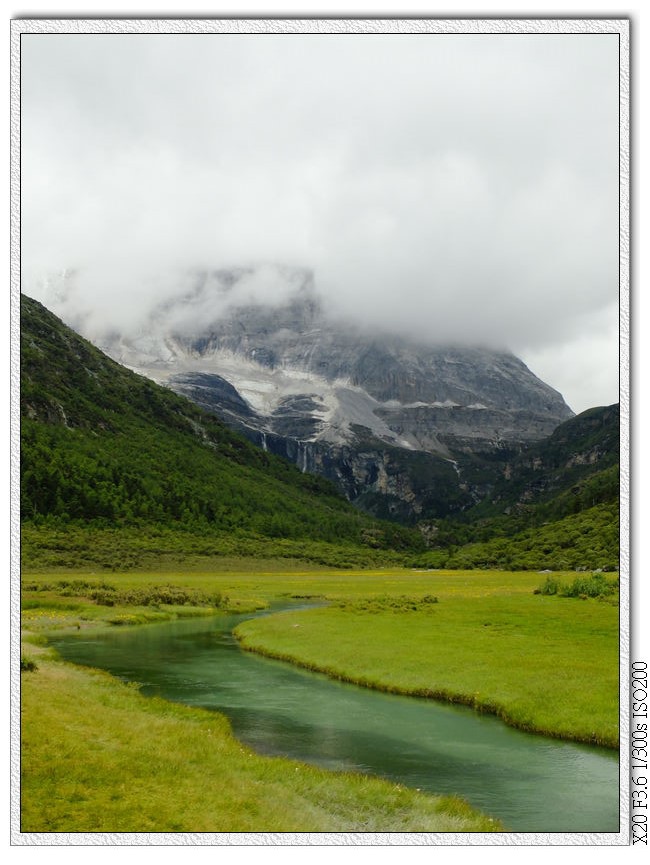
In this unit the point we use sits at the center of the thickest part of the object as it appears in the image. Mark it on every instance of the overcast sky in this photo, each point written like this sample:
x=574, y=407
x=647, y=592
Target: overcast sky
x=457, y=187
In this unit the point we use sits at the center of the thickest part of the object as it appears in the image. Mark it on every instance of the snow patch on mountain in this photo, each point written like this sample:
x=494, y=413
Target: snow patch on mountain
x=339, y=405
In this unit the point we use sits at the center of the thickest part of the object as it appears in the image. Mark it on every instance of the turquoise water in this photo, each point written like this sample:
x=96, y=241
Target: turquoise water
x=531, y=783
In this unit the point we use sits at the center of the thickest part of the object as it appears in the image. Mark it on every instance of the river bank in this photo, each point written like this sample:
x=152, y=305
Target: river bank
x=544, y=664
x=56, y=741
x=547, y=666
x=97, y=756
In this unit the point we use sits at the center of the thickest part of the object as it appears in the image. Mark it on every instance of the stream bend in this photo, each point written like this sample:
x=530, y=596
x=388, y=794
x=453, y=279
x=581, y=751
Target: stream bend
x=531, y=783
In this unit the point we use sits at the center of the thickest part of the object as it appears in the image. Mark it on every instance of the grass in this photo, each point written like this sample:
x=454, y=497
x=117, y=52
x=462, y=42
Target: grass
x=543, y=664
x=99, y=757
x=244, y=584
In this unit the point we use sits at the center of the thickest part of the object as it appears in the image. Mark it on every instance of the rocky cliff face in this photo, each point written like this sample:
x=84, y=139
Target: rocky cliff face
x=579, y=448
x=366, y=410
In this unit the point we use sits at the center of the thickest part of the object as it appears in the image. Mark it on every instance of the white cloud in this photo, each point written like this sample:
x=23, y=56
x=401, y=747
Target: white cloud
x=457, y=187
x=587, y=364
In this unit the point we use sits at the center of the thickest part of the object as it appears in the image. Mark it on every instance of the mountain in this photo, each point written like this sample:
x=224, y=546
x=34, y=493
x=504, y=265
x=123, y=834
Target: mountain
x=404, y=429
x=554, y=506
x=115, y=467
x=105, y=448
x=577, y=466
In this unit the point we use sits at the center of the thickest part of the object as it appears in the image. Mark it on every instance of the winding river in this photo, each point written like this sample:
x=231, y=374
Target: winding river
x=531, y=783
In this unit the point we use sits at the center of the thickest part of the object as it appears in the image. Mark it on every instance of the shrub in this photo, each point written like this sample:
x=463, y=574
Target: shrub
x=389, y=603
x=153, y=596
x=550, y=586
x=595, y=586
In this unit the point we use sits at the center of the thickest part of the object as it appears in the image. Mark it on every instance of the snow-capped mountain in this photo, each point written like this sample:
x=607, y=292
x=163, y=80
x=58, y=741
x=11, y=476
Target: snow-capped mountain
x=364, y=409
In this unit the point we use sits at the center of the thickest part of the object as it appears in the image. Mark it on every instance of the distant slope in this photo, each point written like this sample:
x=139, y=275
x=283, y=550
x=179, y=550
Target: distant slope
x=574, y=468
x=103, y=447
x=555, y=505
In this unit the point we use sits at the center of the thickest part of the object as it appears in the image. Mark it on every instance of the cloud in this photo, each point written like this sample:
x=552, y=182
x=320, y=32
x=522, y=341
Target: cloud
x=455, y=187
x=586, y=363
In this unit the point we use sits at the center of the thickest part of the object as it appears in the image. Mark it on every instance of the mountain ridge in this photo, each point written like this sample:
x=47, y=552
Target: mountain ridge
x=354, y=406
x=293, y=348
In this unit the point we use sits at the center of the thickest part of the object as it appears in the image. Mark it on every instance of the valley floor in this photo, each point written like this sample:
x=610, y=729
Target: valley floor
x=125, y=763
x=96, y=756
x=544, y=664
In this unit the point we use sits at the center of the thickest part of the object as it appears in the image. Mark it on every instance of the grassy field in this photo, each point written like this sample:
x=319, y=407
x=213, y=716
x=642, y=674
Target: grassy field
x=99, y=757
x=546, y=664
x=96, y=756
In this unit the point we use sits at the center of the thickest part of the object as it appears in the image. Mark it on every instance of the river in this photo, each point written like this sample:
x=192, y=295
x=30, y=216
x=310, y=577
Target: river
x=531, y=783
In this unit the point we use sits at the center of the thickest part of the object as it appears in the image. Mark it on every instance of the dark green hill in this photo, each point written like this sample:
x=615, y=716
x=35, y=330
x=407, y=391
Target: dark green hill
x=104, y=449
x=575, y=468
x=555, y=505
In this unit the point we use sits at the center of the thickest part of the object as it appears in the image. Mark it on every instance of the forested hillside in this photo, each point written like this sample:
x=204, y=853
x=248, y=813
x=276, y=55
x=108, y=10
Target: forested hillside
x=103, y=448
x=555, y=505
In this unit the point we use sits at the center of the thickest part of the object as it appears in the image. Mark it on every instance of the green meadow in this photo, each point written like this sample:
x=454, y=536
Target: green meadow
x=543, y=663
x=98, y=756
